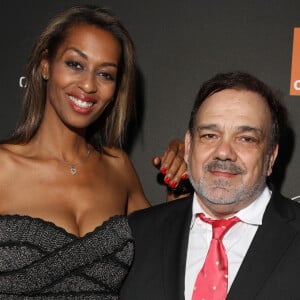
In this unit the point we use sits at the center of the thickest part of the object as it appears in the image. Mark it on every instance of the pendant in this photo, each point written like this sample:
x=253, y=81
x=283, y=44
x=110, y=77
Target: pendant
x=73, y=170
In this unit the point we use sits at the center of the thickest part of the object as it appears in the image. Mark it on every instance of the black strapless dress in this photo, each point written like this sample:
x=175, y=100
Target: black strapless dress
x=39, y=260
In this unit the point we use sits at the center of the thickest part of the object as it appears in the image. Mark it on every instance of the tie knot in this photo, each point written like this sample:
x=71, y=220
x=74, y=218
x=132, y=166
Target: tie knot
x=221, y=226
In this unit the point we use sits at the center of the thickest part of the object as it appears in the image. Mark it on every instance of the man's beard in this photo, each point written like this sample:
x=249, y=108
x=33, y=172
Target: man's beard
x=221, y=190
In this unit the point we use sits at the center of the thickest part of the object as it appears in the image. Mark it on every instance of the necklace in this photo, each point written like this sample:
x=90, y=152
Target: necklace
x=73, y=166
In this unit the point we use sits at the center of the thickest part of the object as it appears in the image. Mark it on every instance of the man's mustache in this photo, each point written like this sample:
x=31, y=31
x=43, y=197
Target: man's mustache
x=227, y=165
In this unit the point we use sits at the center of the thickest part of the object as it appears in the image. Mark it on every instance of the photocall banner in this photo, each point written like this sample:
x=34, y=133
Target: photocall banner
x=295, y=72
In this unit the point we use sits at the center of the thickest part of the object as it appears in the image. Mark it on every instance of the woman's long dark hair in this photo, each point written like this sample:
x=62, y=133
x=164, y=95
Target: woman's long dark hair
x=109, y=129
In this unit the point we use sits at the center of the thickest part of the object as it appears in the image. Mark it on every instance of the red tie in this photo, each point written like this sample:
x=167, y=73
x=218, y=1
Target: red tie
x=212, y=280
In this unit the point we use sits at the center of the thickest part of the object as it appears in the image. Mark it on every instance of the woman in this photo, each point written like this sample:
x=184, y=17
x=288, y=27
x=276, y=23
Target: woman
x=65, y=185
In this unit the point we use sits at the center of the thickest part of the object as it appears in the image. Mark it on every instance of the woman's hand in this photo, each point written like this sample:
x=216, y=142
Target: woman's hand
x=173, y=170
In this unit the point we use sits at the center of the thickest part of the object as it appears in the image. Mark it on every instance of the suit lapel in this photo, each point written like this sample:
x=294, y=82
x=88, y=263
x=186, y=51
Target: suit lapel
x=270, y=243
x=176, y=234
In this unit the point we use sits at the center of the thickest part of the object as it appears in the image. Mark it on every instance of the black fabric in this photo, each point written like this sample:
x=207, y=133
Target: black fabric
x=270, y=270
x=40, y=260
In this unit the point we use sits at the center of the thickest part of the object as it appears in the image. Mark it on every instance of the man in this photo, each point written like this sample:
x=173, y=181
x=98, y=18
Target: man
x=231, y=146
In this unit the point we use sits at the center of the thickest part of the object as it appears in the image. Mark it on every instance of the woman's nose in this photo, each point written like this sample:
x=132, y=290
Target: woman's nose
x=88, y=83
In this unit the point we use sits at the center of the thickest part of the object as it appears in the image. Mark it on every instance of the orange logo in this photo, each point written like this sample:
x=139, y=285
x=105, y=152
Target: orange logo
x=295, y=73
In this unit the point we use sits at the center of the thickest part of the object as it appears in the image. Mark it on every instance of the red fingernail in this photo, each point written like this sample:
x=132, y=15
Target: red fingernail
x=163, y=170
x=184, y=176
x=167, y=180
x=173, y=184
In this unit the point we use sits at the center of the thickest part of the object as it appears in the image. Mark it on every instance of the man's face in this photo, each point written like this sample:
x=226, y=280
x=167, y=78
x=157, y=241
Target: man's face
x=229, y=156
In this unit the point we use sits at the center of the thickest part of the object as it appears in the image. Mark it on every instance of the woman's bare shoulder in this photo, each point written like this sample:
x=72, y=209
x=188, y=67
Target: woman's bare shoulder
x=116, y=156
x=12, y=151
x=10, y=158
x=7, y=151
x=128, y=175
x=119, y=162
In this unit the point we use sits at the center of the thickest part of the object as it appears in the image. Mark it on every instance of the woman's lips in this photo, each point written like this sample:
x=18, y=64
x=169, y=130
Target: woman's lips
x=80, y=105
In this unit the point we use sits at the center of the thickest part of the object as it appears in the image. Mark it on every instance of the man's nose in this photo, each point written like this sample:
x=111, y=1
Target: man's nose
x=225, y=151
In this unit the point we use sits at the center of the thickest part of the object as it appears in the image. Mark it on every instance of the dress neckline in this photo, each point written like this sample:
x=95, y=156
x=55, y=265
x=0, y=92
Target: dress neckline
x=51, y=224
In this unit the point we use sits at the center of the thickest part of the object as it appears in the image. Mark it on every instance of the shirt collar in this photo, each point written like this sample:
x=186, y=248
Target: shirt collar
x=252, y=214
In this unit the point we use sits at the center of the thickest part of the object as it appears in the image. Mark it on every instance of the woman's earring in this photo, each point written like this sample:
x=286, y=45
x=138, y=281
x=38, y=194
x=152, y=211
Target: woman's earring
x=45, y=77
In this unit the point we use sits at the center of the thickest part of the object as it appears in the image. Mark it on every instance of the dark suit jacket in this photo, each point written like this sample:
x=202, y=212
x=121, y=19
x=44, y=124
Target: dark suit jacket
x=270, y=270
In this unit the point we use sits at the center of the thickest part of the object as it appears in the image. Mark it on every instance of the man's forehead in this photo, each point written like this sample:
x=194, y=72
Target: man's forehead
x=234, y=100
x=236, y=108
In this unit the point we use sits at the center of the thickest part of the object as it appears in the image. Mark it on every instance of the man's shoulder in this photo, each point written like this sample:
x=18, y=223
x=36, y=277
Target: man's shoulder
x=295, y=208
x=288, y=209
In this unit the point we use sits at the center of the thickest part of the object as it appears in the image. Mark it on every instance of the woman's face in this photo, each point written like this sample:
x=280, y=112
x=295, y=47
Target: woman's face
x=82, y=75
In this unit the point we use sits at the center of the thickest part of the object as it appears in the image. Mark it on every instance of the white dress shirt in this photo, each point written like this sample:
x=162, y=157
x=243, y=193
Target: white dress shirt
x=236, y=241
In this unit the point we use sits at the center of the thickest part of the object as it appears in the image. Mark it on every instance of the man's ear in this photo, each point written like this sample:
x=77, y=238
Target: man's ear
x=187, y=145
x=272, y=159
